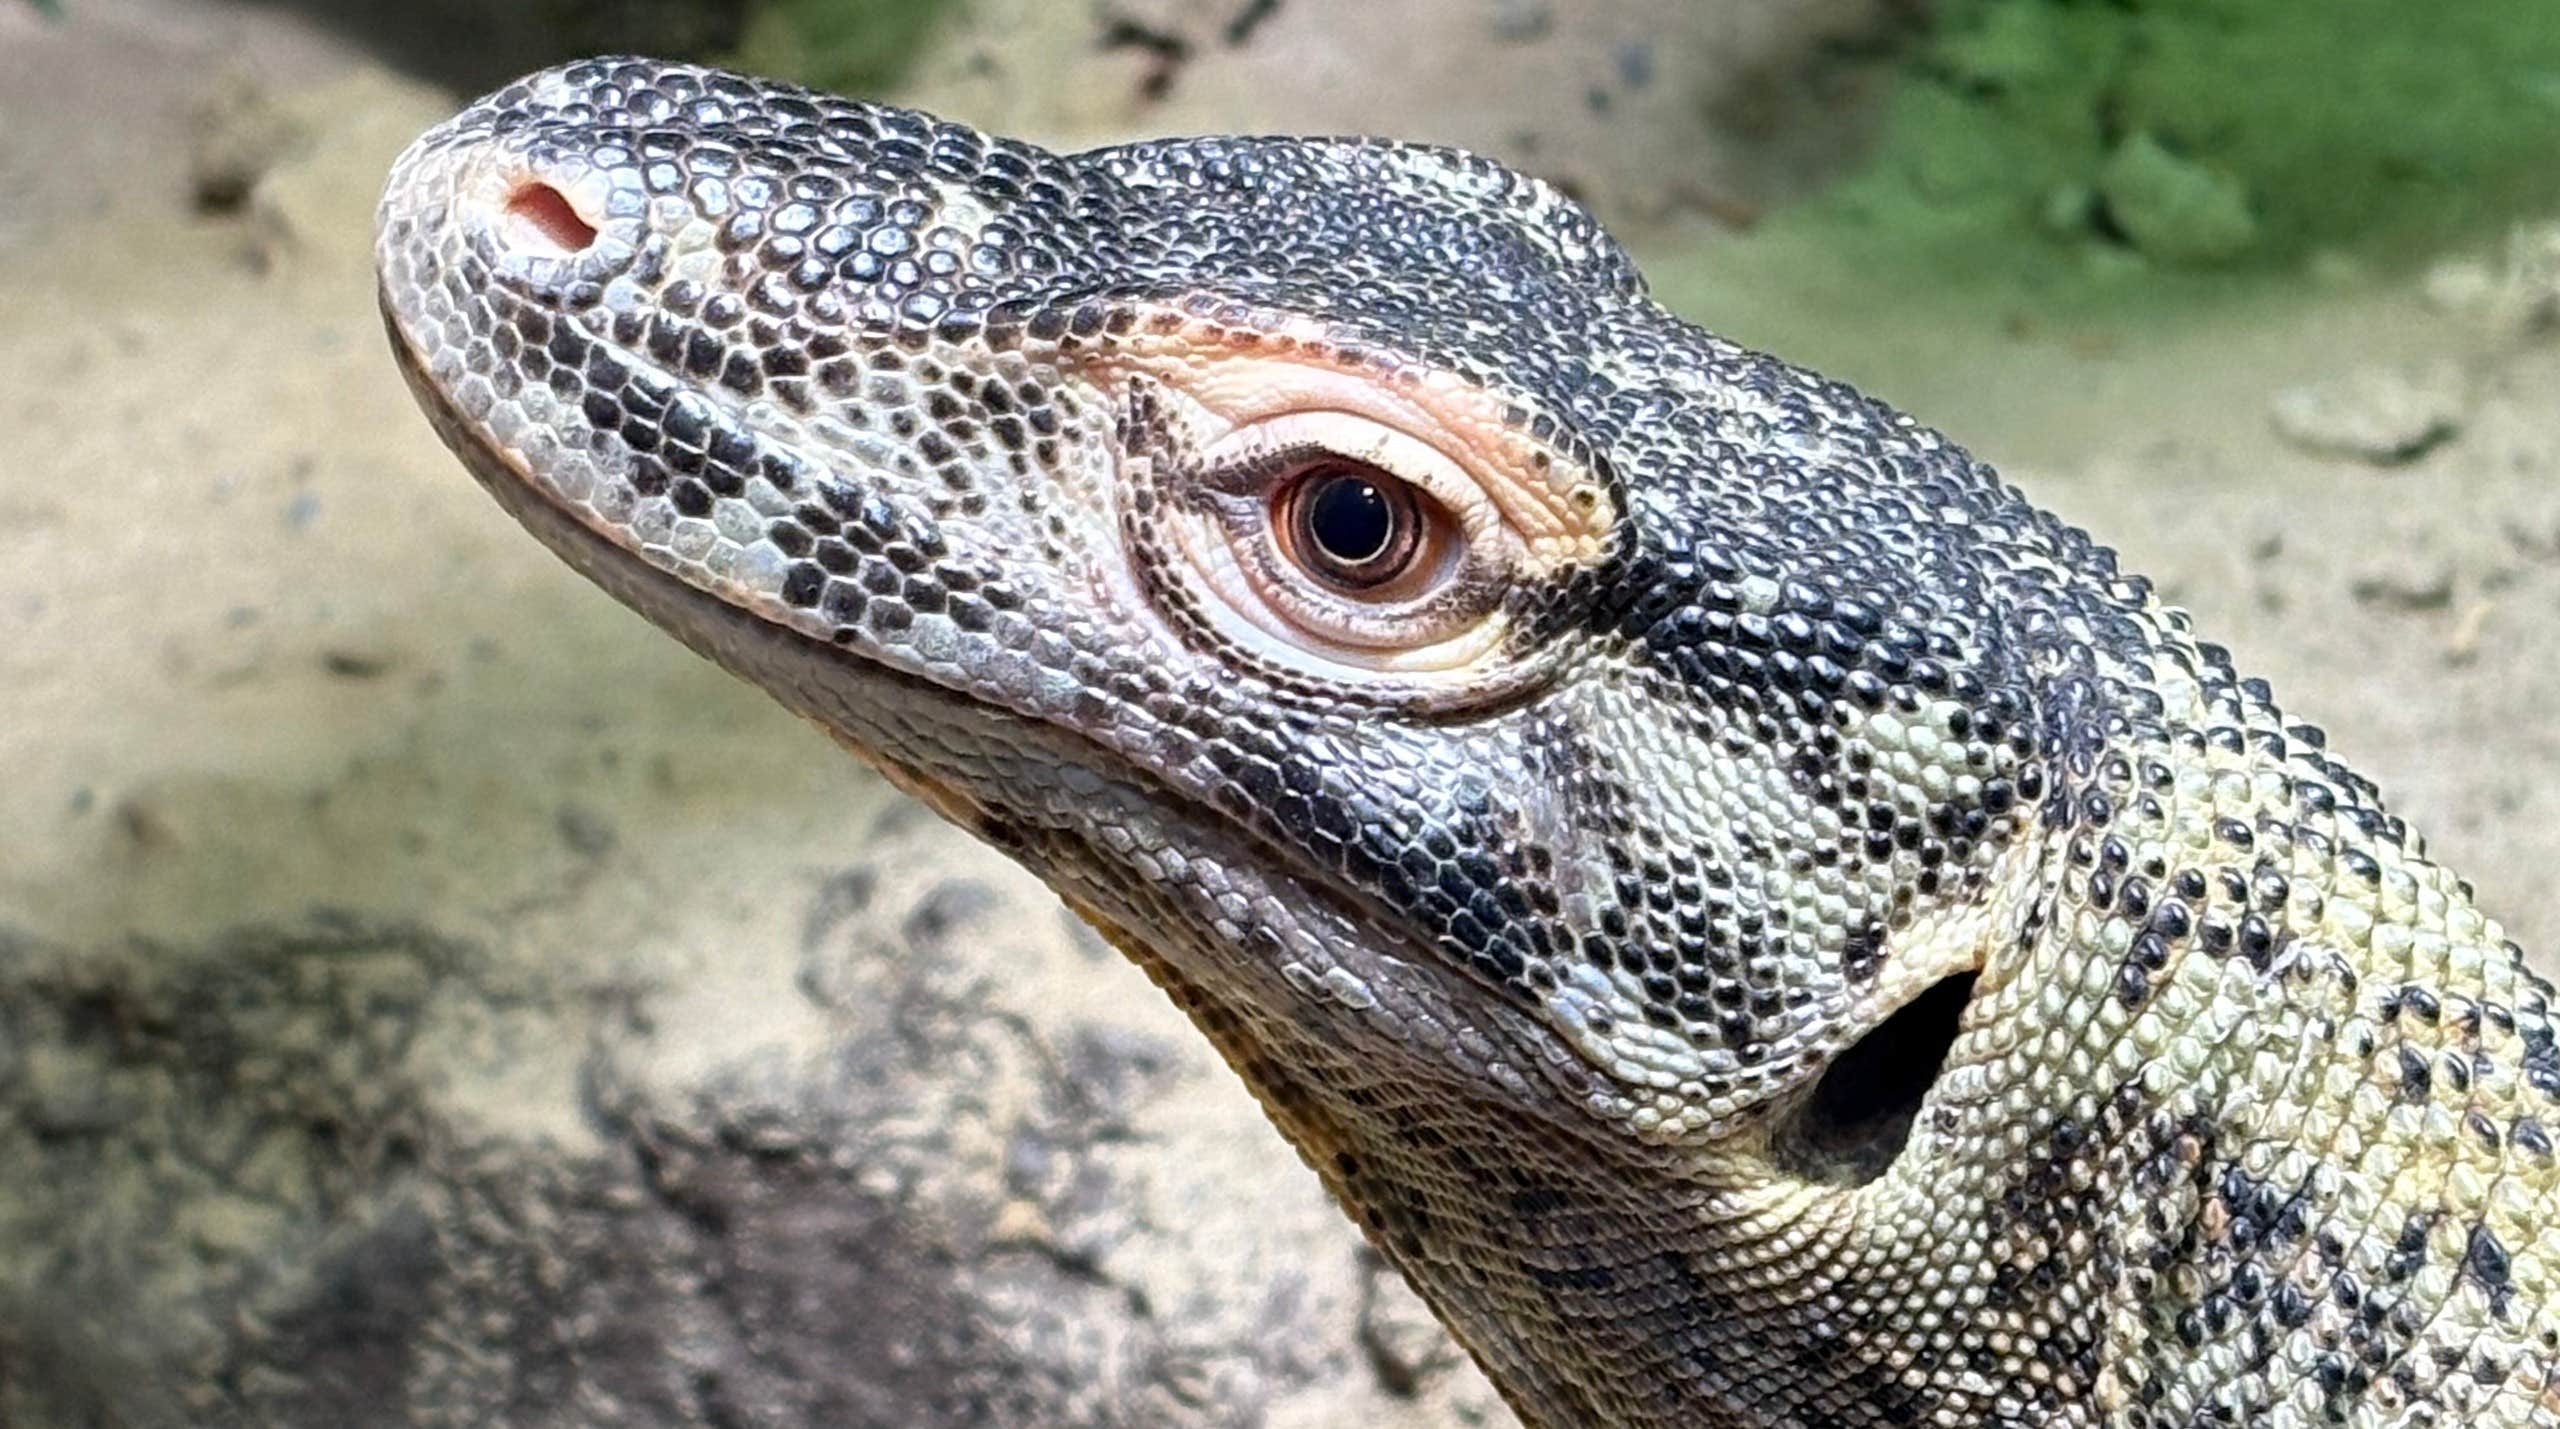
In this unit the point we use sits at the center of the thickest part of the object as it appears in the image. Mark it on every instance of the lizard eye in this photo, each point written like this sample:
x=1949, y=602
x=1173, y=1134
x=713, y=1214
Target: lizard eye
x=1375, y=526
x=1332, y=541
x=1355, y=527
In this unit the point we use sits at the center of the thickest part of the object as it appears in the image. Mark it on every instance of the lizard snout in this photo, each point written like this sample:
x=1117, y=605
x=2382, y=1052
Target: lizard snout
x=550, y=219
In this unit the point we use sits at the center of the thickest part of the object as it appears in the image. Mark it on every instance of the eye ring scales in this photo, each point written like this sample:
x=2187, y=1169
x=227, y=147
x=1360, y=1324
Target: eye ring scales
x=1343, y=531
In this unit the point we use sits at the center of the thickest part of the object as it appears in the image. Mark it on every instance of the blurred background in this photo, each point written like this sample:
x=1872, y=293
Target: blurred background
x=427, y=996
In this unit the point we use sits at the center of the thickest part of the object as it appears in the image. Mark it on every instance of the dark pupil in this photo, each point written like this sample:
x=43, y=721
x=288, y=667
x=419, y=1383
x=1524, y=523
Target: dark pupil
x=1350, y=519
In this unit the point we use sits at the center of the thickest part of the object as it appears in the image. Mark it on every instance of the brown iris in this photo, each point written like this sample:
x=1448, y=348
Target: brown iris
x=1352, y=526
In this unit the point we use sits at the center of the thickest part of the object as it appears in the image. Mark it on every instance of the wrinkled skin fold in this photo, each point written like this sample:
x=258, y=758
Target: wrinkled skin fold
x=1762, y=925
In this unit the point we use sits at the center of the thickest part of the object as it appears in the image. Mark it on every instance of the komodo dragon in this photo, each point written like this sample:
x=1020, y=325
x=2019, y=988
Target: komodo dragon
x=1759, y=923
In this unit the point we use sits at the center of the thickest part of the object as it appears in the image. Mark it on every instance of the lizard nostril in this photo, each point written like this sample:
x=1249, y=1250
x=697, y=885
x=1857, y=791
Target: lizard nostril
x=541, y=218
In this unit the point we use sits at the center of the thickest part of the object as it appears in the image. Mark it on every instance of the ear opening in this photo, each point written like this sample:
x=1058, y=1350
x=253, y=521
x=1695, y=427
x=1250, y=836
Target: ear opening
x=1859, y=1115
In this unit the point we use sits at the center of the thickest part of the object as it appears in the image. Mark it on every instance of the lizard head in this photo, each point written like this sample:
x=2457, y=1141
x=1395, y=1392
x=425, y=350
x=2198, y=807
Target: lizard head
x=1484, y=700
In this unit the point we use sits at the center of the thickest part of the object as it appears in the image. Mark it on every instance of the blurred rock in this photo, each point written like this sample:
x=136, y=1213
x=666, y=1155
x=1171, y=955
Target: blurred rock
x=1518, y=19
x=2460, y=287
x=2529, y=289
x=2407, y=579
x=2386, y=416
x=927, y=1195
x=2515, y=294
x=302, y=200
x=240, y=132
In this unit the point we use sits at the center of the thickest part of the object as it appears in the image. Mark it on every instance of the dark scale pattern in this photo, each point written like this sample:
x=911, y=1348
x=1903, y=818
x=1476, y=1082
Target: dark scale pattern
x=1747, y=713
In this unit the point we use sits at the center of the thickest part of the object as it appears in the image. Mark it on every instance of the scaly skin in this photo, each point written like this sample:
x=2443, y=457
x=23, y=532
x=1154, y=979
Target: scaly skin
x=1558, y=899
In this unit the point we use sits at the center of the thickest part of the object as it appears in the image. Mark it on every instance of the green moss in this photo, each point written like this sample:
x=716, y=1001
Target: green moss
x=2100, y=157
x=857, y=47
x=2174, y=207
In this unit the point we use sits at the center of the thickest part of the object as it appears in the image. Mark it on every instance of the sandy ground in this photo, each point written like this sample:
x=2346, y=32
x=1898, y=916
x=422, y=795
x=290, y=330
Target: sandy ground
x=293, y=718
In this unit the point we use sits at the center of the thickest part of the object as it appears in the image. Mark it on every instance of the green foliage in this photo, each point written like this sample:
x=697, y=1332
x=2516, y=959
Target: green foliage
x=857, y=47
x=2053, y=175
x=2248, y=132
x=2173, y=207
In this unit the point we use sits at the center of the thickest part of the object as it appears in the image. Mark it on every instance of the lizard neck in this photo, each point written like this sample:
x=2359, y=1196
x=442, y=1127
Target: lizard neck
x=2245, y=1001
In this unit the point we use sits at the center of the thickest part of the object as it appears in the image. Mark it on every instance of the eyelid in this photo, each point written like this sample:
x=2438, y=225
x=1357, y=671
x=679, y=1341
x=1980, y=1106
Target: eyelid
x=1235, y=371
x=1357, y=438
